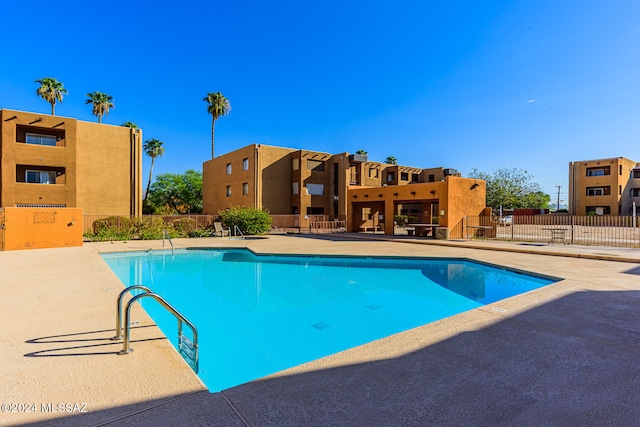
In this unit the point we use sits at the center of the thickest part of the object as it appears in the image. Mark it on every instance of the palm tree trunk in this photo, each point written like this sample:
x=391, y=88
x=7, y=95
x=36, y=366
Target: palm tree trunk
x=153, y=159
x=213, y=124
x=53, y=108
x=99, y=118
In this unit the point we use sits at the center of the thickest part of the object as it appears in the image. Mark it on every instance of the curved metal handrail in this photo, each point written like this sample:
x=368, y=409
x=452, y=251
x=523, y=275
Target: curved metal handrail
x=126, y=349
x=119, y=308
x=236, y=232
x=164, y=233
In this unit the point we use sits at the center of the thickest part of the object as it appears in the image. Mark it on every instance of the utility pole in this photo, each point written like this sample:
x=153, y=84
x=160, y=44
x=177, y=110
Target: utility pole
x=558, y=205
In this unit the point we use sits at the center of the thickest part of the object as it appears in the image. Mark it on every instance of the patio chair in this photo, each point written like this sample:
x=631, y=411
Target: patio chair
x=219, y=230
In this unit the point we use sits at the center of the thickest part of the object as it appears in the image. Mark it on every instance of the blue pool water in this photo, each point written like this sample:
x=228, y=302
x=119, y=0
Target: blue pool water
x=257, y=315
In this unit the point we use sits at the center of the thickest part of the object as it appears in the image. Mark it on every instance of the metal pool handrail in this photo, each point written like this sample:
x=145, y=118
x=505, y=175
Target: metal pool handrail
x=183, y=342
x=164, y=233
x=237, y=232
x=119, y=308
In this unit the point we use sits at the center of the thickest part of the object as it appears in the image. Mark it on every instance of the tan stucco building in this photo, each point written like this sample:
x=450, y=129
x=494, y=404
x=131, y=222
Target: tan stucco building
x=286, y=181
x=54, y=161
x=604, y=186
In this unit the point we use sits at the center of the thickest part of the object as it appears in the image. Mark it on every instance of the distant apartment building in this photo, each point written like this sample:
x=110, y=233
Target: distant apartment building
x=54, y=161
x=604, y=186
x=287, y=181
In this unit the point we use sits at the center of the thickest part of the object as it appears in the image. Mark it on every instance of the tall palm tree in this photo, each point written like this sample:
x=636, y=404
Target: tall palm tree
x=218, y=106
x=51, y=90
x=129, y=124
x=101, y=104
x=152, y=148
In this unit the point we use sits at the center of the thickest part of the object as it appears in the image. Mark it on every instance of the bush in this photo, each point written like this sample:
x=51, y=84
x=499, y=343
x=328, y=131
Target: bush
x=184, y=226
x=250, y=221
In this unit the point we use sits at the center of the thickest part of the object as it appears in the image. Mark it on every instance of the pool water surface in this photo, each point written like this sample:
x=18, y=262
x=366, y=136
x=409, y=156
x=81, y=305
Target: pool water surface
x=260, y=314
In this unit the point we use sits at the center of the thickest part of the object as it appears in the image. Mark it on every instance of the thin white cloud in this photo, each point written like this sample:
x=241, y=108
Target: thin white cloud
x=531, y=100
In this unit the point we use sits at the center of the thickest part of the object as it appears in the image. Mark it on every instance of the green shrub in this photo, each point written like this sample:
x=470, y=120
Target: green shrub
x=184, y=226
x=250, y=221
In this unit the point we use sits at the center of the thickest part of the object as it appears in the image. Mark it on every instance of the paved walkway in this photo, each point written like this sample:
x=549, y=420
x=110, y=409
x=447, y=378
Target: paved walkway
x=561, y=355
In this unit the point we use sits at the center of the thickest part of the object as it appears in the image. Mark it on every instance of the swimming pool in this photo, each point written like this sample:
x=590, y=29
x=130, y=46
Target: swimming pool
x=260, y=314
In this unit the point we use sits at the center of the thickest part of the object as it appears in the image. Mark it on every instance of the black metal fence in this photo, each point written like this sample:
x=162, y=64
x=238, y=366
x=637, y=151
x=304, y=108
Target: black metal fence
x=620, y=231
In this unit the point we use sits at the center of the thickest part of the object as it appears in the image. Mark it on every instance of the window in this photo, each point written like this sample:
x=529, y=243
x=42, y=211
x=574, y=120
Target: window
x=228, y=168
x=432, y=178
x=599, y=210
x=635, y=192
x=391, y=176
x=245, y=188
x=33, y=138
x=636, y=173
x=40, y=177
x=315, y=189
x=620, y=190
x=245, y=164
x=598, y=191
x=404, y=176
x=415, y=177
x=296, y=164
x=228, y=191
x=315, y=211
x=315, y=165
x=600, y=171
x=295, y=188
x=373, y=172
x=366, y=214
x=620, y=170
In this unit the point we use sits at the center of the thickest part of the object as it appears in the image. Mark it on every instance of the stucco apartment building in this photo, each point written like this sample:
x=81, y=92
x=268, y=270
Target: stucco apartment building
x=53, y=161
x=604, y=186
x=289, y=181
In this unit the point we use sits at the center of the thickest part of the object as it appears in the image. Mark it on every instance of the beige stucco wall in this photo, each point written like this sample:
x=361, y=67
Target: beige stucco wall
x=109, y=169
x=268, y=178
x=618, y=180
x=455, y=196
x=99, y=166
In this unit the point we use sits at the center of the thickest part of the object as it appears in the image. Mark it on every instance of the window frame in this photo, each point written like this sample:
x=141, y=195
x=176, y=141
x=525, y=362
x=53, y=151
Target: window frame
x=245, y=164
x=41, y=136
x=50, y=174
x=229, y=169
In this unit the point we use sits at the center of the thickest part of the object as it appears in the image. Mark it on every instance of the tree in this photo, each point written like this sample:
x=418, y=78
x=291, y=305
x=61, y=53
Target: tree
x=217, y=106
x=51, y=90
x=362, y=152
x=512, y=189
x=175, y=193
x=152, y=148
x=129, y=124
x=391, y=160
x=101, y=104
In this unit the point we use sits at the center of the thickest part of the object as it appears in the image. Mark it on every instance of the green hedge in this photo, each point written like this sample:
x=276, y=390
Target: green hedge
x=250, y=221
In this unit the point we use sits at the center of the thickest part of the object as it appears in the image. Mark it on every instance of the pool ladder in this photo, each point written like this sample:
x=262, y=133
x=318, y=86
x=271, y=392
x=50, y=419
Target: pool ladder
x=187, y=348
x=237, y=233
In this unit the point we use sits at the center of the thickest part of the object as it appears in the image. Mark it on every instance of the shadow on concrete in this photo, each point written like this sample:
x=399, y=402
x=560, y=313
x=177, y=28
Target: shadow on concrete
x=571, y=361
x=60, y=352
x=635, y=270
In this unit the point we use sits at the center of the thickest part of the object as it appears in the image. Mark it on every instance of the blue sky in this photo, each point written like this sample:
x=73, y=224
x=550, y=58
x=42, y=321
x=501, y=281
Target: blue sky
x=461, y=84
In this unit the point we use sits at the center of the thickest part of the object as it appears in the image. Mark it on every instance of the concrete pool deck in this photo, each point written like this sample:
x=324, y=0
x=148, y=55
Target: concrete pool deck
x=565, y=354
